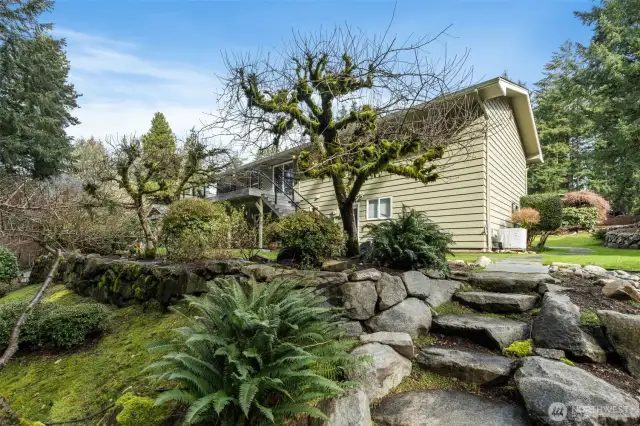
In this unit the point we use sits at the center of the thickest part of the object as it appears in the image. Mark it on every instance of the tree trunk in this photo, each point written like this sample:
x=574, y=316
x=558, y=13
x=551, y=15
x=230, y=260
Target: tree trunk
x=12, y=345
x=349, y=226
x=543, y=239
x=150, y=238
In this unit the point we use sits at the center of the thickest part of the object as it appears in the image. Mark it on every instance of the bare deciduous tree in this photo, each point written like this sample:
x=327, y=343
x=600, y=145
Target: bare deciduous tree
x=357, y=107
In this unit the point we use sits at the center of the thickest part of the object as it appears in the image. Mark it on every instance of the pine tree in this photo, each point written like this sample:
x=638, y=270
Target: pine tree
x=159, y=147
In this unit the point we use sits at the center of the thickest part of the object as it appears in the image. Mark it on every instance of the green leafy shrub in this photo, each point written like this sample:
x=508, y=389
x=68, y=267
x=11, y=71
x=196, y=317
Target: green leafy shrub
x=550, y=208
x=599, y=234
x=410, y=241
x=8, y=265
x=193, y=227
x=584, y=218
x=254, y=354
x=581, y=199
x=315, y=237
x=51, y=324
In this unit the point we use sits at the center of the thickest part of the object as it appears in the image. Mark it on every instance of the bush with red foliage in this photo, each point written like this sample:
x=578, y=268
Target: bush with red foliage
x=587, y=199
x=526, y=217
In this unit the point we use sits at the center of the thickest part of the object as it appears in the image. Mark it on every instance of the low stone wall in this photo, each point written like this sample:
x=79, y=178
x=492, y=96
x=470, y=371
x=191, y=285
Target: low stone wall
x=122, y=282
x=623, y=238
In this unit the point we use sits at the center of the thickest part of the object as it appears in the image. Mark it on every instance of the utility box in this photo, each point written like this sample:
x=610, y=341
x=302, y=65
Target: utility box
x=513, y=238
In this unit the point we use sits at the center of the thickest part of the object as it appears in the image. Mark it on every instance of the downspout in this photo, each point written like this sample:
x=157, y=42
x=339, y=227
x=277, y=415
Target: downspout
x=487, y=191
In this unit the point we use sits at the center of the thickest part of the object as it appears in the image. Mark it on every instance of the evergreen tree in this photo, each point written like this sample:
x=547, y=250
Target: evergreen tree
x=560, y=105
x=159, y=147
x=611, y=77
x=36, y=99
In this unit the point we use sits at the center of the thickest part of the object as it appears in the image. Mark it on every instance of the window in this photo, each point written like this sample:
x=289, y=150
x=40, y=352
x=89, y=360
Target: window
x=379, y=208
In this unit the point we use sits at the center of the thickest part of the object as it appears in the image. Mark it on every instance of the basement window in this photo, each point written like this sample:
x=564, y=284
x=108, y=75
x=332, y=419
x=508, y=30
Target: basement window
x=379, y=208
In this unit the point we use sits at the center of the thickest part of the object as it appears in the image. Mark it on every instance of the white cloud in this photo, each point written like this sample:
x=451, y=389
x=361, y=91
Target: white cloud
x=122, y=89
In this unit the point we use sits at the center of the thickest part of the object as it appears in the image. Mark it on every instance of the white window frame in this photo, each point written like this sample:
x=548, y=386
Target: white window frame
x=377, y=200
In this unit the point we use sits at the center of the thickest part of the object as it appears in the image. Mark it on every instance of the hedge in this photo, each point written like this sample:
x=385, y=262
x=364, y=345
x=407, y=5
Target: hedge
x=550, y=208
x=586, y=218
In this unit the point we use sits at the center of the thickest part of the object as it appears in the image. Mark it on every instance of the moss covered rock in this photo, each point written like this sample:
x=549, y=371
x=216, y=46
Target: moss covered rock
x=139, y=410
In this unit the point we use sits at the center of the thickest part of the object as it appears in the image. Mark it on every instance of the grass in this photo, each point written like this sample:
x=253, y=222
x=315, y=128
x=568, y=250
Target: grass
x=66, y=385
x=626, y=259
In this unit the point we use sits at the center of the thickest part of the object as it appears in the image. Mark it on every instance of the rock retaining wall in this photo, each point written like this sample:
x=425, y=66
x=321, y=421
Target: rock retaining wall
x=623, y=238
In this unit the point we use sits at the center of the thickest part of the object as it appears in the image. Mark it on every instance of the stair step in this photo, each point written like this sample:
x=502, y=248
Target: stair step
x=469, y=366
x=508, y=282
x=497, y=302
x=495, y=333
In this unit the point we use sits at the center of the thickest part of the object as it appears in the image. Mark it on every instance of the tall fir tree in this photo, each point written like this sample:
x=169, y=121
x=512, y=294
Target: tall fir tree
x=612, y=76
x=36, y=98
x=560, y=104
x=159, y=147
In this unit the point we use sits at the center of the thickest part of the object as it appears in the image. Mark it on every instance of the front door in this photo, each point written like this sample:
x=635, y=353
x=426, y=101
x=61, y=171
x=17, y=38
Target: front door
x=283, y=178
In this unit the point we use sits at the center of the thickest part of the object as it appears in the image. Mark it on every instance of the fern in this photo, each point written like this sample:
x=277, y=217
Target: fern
x=254, y=354
x=411, y=241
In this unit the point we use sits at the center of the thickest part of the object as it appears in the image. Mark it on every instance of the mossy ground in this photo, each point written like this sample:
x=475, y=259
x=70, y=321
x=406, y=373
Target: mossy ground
x=421, y=379
x=67, y=385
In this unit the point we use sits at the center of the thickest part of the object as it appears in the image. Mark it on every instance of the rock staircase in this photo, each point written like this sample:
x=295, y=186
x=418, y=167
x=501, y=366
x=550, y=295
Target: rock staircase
x=497, y=303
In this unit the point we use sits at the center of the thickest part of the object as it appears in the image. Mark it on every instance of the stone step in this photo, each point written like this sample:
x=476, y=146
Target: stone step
x=469, y=366
x=508, y=282
x=497, y=302
x=495, y=333
x=442, y=407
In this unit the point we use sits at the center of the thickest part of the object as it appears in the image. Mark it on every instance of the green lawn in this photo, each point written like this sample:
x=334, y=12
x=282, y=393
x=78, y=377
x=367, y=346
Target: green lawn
x=602, y=256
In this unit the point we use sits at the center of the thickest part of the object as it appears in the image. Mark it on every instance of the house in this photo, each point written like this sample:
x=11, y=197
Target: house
x=478, y=189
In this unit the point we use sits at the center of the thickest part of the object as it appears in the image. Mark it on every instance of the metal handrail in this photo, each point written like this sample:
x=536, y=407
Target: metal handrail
x=291, y=198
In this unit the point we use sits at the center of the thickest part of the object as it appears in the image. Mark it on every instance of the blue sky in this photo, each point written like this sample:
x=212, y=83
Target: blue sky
x=130, y=58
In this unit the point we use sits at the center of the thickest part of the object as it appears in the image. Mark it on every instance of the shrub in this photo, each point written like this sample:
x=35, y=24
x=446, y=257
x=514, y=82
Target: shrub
x=8, y=265
x=599, y=234
x=254, y=355
x=314, y=237
x=526, y=217
x=194, y=226
x=580, y=217
x=410, y=241
x=587, y=199
x=550, y=208
x=50, y=324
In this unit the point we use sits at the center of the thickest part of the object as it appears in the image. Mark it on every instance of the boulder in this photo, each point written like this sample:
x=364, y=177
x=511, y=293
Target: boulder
x=352, y=329
x=258, y=272
x=558, y=394
x=492, y=332
x=315, y=278
x=446, y=408
x=556, y=354
x=483, y=262
x=557, y=326
x=563, y=265
x=333, y=265
x=595, y=270
x=457, y=263
x=384, y=372
x=460, y=275
x=553, y=288
x=400, y=342
x=360, y=298
x=435, y=292
x=508, y=282
x=623, y=331
x=411, y=316
x=435, y=274
x=350, y=409
x=497, y=302
x=622, y=290
x=472, y=367
x=365, y=275
x=391, y=291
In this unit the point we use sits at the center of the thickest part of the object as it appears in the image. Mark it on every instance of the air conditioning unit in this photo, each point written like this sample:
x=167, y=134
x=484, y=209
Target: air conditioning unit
x=513, y=238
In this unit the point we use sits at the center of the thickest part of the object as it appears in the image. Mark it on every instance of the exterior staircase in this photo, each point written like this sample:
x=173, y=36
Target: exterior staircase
x=282, y=208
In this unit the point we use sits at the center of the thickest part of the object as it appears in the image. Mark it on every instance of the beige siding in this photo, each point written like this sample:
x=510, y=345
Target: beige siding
x=457, y=201
x=507, y=168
